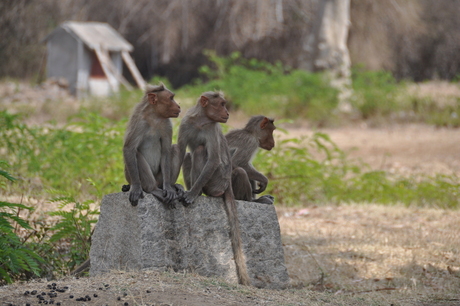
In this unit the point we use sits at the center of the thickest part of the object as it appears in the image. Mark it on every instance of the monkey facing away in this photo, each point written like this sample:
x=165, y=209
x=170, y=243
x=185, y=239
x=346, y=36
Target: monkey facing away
x=207, y=168
x=244, y=144
x=147, y=149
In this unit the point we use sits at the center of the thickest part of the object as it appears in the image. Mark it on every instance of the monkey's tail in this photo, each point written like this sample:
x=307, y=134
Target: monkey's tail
x=235, y=236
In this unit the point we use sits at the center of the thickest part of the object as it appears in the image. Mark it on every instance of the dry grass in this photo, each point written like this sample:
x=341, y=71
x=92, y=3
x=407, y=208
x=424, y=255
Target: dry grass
x=441, y=92
x=345, y=255
x=360, y=248
x=404, y=149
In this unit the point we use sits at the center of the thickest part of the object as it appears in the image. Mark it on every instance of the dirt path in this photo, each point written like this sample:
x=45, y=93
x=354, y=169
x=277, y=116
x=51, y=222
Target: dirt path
x=402, y=149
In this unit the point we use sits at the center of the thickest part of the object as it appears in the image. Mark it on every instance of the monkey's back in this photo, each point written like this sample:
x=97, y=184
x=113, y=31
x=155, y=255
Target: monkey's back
x=242, y=145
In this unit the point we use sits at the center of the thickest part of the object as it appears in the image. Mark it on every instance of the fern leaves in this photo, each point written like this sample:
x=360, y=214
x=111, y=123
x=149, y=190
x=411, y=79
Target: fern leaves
x=15, y=257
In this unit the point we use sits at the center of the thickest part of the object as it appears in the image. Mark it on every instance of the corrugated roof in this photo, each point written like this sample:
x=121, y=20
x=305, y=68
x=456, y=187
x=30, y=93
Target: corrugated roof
x=97, y=34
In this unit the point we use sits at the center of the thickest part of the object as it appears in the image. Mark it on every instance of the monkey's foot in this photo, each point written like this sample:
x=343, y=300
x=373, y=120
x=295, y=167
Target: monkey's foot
x=180, y=191
x=185, y=203
x=265, y=199
x=188, y=198
x=158, y=193
x=173, y=204
x=125, y=188
x=135, y=194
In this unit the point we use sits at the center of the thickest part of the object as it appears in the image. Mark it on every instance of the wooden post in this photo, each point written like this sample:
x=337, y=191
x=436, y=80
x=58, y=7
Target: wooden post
x=110, y=69
x=134, y=71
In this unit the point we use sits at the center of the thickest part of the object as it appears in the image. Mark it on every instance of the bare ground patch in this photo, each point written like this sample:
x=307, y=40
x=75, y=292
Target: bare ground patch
x=345, y=255
x=402, y=149
x=360, y=248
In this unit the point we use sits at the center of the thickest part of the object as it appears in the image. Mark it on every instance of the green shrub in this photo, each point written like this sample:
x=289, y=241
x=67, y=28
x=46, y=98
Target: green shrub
x=90, y=146
x=310, y=170
x=313, y=170
x=259, y=87
x=17, y=260
x=376, y=93
x=75, y=228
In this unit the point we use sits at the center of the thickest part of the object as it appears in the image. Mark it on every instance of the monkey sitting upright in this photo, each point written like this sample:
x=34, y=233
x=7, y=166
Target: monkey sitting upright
x=147, y=148
x=207, y=168
x=243, y=145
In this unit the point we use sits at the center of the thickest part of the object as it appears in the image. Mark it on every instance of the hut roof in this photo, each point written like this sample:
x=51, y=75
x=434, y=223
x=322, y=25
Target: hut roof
x=95, y=35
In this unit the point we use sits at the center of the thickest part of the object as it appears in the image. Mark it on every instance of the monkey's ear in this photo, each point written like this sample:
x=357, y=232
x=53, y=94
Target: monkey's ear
x=264, y=123
x=204, y=101
x=153, y=98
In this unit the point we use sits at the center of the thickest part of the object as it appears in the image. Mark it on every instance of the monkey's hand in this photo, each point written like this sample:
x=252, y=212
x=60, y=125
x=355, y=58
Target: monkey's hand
x=189, y=198
x=135, y=194
x=169, y=194
x=262, y=187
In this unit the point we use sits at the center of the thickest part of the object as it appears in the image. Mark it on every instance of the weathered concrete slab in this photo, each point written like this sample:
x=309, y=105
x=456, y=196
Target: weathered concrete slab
x=193, y=238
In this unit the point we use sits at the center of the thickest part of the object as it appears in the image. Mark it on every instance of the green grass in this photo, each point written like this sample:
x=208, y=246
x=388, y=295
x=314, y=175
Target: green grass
x=314, y=170
x=82, y=158
x=84, y=161
x=257, y=87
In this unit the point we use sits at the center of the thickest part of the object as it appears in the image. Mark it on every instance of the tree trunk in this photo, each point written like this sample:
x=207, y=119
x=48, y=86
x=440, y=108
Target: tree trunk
x=326, y=47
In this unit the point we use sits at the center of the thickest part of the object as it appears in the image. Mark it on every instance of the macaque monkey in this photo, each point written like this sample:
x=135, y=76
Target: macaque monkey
x=244, y=144
x=207, y=168
x=147, y=149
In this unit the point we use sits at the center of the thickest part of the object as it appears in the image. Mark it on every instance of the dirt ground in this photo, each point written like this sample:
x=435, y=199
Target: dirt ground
x=405, y=149
x=335, y=255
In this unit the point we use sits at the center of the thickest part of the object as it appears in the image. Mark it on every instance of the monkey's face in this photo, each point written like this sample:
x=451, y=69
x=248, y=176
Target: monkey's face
x=167, y=106
x=267, y=142
x=216, y=110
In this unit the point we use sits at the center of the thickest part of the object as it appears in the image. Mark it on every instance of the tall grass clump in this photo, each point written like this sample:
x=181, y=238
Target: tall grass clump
x=258, y=87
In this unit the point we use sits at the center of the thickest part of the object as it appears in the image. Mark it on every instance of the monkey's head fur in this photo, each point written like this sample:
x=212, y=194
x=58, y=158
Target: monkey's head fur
x=152, y=89
x=211, y=95
x=210, y=107
x=258, y=122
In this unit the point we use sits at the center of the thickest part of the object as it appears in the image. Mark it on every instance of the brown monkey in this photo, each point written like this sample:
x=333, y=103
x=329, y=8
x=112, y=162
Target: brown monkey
x=244, y=144
x=147, y=148
x=208, y=167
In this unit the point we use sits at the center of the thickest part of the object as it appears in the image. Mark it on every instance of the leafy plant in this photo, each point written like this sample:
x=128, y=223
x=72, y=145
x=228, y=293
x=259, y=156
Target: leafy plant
x=16, y=259
x=75, y=228
x=306, y=170
x=259, y=87
x=90, y=146
x=313, y=170
x=376, y=93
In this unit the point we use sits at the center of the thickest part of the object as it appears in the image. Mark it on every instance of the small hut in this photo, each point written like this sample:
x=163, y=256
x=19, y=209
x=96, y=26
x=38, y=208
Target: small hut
x=90, y=55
